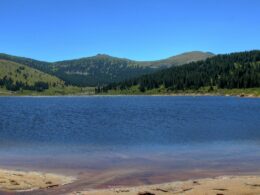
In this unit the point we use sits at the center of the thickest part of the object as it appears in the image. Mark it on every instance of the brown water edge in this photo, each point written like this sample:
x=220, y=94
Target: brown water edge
x=127, y=176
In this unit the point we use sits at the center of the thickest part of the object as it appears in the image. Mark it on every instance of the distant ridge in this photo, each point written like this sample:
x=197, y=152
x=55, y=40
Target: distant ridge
x=180, y=59
x=103, y=69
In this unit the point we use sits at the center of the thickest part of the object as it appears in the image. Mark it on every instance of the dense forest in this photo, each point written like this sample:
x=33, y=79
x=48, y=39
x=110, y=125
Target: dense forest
x=236, y=70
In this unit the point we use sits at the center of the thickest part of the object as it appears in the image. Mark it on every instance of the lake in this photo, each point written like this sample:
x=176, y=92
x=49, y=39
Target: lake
x=131, y=139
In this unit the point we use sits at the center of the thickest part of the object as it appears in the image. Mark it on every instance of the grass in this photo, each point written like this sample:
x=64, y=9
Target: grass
x=255, y=92
x=25, y=74
x=53, y=91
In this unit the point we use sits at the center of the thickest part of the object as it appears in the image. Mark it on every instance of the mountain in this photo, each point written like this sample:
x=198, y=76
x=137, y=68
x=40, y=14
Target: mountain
x=104, y=69
x=15, y=76
x=181, y=59
x=98, y=70
x=237, y=70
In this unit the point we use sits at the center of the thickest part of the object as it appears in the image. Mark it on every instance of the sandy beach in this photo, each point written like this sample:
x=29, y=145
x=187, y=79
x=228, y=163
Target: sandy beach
x=19, y=181
x=28, y=181
x=225, y=185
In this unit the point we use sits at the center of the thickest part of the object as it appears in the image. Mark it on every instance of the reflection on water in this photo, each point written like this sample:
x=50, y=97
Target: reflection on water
x=150, y=138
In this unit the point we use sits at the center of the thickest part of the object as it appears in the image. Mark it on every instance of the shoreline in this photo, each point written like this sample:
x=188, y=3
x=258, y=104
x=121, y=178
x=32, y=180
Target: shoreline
x=223, y=185
x=26, y=181
x=31, y=182
x=145, y=95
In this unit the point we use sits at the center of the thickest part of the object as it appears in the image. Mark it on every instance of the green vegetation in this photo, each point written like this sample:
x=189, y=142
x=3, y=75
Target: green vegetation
x=103, y=69
x=222, y=74
x=231, y=74
x=98, y=70
x=178, y=60
x=134, y=90
x=36, y=64
x=18, y=79
x=53, y=91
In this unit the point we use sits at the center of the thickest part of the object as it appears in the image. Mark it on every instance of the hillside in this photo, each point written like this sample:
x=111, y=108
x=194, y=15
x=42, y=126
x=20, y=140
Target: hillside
x=103, y=69
x=40, y=65
x=98, y=70
x=21, y=79
x=14, y=76
x=230, y=71
x=181, y=59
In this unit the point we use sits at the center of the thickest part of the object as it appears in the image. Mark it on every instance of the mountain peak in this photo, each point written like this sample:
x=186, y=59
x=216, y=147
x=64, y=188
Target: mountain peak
x=102, y=55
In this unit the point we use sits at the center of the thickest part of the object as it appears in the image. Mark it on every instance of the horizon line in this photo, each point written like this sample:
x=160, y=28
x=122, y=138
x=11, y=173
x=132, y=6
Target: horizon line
x=126, y=58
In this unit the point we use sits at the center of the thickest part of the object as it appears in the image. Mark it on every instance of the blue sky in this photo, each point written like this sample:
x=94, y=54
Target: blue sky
x=137, y=29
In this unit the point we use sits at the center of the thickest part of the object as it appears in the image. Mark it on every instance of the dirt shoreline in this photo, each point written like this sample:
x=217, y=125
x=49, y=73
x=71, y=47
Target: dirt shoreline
x=32, y=182
x=224, y=185
x=21, y=181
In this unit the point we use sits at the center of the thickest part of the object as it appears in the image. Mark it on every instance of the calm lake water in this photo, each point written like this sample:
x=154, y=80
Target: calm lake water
x=152, y=139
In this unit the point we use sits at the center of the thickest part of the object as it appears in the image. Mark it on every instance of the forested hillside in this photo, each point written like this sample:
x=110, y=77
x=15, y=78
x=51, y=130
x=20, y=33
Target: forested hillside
x=103, y=69
x=98, y=70
x=236, y=70
x=15, y=77
x=19, y=79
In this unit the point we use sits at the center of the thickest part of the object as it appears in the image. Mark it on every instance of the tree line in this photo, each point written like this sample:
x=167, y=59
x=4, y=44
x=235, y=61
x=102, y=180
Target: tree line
x=18, y=85
x=236, y=70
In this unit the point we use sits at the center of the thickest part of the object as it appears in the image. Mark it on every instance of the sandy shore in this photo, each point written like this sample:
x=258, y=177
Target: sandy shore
x=226, y=185
x=16, y=181
x=27, y=181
